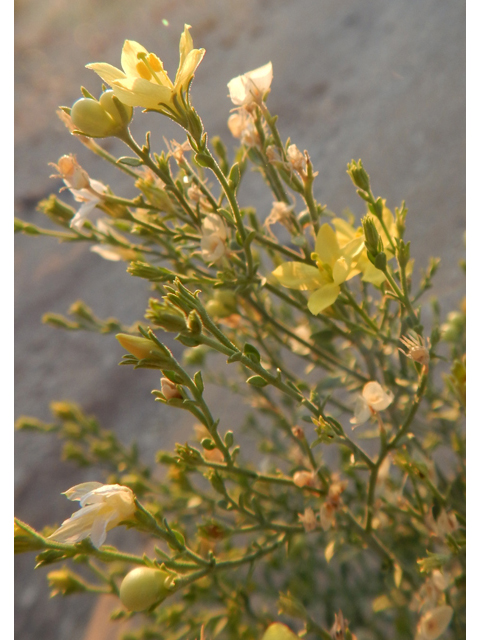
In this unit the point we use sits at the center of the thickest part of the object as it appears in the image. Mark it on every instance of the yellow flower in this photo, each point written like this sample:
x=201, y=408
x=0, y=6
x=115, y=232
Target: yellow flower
x=335, y=265
x=103, y=507
x=346, y=233
x=143, y=81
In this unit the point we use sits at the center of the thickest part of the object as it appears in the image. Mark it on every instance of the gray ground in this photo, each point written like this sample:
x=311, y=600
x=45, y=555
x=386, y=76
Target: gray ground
x=381, y=80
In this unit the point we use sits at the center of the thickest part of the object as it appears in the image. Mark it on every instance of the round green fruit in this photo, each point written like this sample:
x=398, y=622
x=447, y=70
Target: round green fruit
x=142, y=587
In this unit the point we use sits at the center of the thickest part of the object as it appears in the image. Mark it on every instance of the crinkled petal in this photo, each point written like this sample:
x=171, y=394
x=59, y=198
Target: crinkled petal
x=326, y=245
x=107, y=72
x=75, y=528
x=138, y=92
x=323, y=298
x=246, y=88
x=298, y=275
x=214, y=224
x=99, y=532
x=130, y=59
x=361, y=412
x=83, y=214
x=80, y=490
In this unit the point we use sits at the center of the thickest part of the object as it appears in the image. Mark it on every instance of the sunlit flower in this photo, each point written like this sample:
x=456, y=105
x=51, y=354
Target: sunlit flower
x=280, y=212
x=332, y=502
x=305, y=478
x=212, y=455
x=297, y=159
x=251, y=86
x=73, y=175
x=308, y=519
x=431, y=592
x=103, y=507
x=345, y=233
x=113, y=252
x=335, y=265
x=242, y=126
x=143, y=81
x=434, y=623
x=445, y=524
x=416, y=348
x=90, y=197
x=373, y=399
x=214, y=236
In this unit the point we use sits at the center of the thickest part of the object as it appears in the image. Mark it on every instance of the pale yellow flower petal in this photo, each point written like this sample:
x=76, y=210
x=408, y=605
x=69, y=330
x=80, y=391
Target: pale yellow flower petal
x=107, y=72
x=345, y=232
x=353, y=248
x=370, y=272
x=323, y=298
x=186, y=72
x=138, y=92
x=297, y=275
x=130, y=59
x=340, y=271
x=186, y=45
x=326, y=245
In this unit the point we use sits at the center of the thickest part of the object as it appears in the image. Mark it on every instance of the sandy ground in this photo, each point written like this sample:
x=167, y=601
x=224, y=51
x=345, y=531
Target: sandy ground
x=381, y=80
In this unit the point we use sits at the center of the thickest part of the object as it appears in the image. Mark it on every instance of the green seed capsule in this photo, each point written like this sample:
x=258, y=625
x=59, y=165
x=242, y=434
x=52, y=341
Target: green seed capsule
x=90, y=117
x=142, y=587
x=121, y=113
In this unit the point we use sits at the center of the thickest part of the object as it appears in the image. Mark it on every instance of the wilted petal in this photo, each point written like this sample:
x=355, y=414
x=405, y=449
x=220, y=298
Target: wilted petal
x=434, y=623
x=80, y=490
x=361, y=413
x=376, y=397
x=251, y=86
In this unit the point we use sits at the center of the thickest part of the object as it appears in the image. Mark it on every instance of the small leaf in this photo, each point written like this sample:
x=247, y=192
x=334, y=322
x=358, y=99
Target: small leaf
x=257, y=381
x=131, y=162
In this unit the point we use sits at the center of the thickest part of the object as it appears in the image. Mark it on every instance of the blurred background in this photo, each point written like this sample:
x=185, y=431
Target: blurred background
x=380, y=80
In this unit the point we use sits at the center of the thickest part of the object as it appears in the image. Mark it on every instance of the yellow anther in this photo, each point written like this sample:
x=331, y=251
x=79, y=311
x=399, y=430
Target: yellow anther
x=154, y=62
x=142, y=70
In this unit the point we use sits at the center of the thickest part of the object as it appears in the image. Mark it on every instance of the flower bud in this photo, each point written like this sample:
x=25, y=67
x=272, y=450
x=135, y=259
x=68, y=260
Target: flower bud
x=381, y=261
x=65, y=582
x=194, y=323
x=90, y=117
x=169, y=389
x=139, y=347
x=372, y=237
x=358, y=175
x=143, y=587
